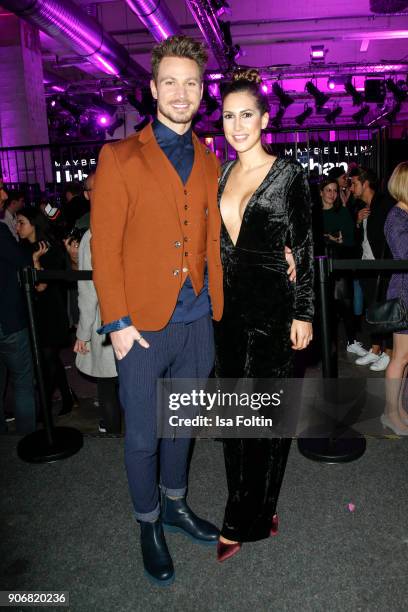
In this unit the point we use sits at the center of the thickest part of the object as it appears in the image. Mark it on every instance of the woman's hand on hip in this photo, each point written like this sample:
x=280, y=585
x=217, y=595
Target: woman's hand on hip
x=291, y=271
x=122, y=341
x=301, y=333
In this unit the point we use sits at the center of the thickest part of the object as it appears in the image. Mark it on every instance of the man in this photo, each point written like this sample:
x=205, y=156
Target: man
x=84, y=221
x=12, y=205
x=155, y=233
x=370, y=236
x=76, y=205
x=15, y=350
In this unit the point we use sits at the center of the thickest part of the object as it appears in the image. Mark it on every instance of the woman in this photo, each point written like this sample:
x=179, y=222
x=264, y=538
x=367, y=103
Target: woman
x=338, y=230
x=94, y=356
x=396, y=233
x=50, y=302
x=265, y=206
x=3, y=199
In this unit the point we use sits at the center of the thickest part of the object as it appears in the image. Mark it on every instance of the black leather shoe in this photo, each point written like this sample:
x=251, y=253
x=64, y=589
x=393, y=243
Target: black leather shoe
x=156, y=557
x=178, y=518
x=69, y=402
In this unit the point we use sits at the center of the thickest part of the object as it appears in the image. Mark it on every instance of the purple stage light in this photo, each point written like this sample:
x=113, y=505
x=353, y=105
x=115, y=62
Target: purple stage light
x=103, y=120
x=264, y=88
x=57, y=88
x=119, y=98
x=53, y=102
x=331, y=84
x=317, y=53
x=215, y=76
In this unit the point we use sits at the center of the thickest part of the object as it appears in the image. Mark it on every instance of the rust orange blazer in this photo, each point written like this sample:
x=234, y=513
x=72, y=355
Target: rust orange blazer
x=149, y=231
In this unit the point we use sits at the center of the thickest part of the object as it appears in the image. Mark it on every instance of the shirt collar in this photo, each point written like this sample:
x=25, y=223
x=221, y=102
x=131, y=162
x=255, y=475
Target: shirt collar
x=166, y=136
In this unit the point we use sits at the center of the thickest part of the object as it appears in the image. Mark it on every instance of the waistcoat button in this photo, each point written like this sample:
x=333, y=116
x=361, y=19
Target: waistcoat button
x=185, y=269
x=177, y=244
x=176, y=272
x=186, y=222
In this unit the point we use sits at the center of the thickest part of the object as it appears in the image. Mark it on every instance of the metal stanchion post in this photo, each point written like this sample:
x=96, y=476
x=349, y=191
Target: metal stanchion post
x=51, y=443
x=329, y=450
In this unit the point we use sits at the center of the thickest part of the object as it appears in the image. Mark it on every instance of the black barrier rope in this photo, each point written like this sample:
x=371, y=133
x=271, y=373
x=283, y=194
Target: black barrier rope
x=338, y=450
x=52, y=443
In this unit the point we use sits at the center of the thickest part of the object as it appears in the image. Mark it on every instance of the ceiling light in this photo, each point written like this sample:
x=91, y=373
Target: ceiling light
x=358, y=98
x=300, y=119
x=277, y=120
x=332, y=116
x=319, y=97
x=285, y=99
x=317, y=53
x=358, y=117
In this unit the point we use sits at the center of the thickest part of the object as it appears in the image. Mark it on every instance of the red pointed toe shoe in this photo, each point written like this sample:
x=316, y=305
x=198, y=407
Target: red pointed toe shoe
x=274, y=526
x=225, y=551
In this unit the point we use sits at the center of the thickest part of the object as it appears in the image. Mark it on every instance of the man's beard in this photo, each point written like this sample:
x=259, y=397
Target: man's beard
x=178, y=117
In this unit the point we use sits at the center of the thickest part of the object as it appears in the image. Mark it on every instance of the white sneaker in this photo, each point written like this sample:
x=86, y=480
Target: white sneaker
x=370, y=357
x=381, y=363
x=356, y=348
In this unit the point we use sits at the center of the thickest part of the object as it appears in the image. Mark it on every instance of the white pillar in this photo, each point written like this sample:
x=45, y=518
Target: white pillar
x=23, y=112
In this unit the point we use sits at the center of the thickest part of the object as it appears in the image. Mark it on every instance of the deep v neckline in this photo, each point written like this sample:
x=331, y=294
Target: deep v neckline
x=224, y=184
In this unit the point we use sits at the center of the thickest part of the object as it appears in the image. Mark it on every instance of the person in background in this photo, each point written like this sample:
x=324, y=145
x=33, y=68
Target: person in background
x=339, y=175
x=3, y=199
x=339, y=235
x=76, y=205
x=370, y=222
x=84, y=222
x=50, y=302
x=95, y=355
x=396, y=233
x=12, y=205
x=15, y=349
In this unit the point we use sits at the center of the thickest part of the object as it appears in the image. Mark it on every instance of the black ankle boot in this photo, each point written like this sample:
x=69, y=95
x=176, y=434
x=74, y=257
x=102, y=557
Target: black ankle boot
x=156, y=557
x=69, y=402
x=177, y=517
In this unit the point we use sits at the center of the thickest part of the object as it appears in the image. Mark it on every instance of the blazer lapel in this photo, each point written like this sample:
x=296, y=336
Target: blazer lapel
x=160, y=167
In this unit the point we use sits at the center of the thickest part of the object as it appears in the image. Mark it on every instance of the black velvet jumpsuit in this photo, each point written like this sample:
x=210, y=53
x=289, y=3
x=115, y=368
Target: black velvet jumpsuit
x=253, y=337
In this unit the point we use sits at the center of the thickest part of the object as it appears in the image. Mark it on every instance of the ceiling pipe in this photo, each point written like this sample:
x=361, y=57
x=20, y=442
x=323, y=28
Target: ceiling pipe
x=156, y=16
x=67, y=23
x=207, y=21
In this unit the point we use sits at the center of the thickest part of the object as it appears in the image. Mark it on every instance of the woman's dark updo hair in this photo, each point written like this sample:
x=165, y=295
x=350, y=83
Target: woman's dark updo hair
x=248, y=81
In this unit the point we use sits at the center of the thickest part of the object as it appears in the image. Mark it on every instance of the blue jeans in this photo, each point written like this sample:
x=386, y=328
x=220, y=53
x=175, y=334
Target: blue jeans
x=358, y=303
x=15, y=357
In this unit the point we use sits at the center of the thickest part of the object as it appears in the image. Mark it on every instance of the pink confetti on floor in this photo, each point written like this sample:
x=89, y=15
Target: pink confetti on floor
x=351, y=507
